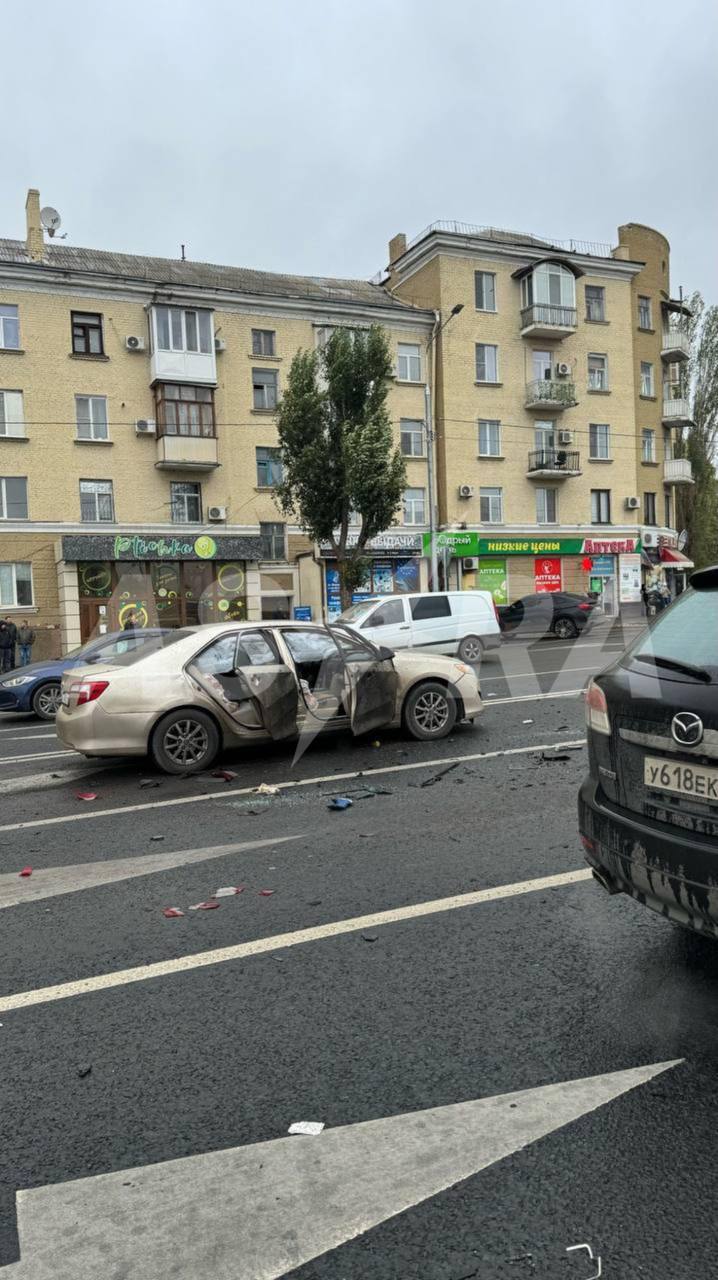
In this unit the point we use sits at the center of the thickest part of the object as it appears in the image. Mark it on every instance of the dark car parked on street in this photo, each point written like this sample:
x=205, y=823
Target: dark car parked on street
x=548, y=613
x=36, y=687
x=648, y=810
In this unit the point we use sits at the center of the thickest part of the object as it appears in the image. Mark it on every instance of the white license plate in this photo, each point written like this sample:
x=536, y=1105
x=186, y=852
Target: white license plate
x=680, y=778
x=65, y=698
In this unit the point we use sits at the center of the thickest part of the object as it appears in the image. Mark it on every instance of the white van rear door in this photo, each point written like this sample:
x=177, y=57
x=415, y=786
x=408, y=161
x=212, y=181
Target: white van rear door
x=388, y=624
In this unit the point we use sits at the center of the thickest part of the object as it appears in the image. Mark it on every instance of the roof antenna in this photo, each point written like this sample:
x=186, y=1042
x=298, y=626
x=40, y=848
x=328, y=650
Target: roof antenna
x=183, y=259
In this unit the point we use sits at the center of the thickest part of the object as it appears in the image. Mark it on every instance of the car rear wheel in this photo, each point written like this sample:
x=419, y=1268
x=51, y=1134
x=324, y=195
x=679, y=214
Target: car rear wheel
x=430, y=711
x=471, y=649
x=185, y=742
x=565, y=629
x=46, y=701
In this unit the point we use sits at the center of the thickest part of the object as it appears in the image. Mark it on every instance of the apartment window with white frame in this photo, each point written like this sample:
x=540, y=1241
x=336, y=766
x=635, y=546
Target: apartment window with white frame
x=546, y=506
x=91, y=414
x=409, y=362
x=13, y=497
x=597, y=372
x=600, y=506
x=595, y=303
x=489, y=438
x=645, y=318
x=9, y=328
x=180, y=329
x=265, y=388
x=414, y=506
x=16, y=585
x=485, y=289
x=12, y=417
x=491, y=505
x=96, y=501
x=648, y=445
x=186, y=503
x=646, y=378
x=487, y=362
x=412, y=438
x=599, y=441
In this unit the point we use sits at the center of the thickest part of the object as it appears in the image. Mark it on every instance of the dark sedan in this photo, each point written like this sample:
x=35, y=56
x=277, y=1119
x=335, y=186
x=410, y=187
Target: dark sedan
x=648, y=810
x=548, y=613
x=36, y=687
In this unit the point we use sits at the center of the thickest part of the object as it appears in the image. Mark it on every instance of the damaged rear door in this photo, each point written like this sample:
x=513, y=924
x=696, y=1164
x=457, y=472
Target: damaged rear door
x=244, y=676
x=371, y=681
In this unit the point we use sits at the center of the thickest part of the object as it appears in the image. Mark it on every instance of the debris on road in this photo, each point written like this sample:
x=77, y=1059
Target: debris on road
x=436, y=777
x=172, y=913
x=210, y=905
x=86, y=795
x=376, y=743
x=149, y=782
x=555, y=755
x=266, y=789
x=229, y=891
x=84, y=1071
x=225, y=774
x=308, y=1128
x=340, y=802
x=266, y=893
x=369, y=937
x=527, y=721
x=156, y=837
x=314, y=902
x=26, y=871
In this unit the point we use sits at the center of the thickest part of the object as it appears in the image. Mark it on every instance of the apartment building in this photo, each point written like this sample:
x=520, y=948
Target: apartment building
x=557, y=393
x=138, y=445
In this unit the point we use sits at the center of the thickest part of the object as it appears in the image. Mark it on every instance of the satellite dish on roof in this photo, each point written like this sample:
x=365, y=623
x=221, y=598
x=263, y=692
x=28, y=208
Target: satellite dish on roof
x=50, y=219
x=682, y=539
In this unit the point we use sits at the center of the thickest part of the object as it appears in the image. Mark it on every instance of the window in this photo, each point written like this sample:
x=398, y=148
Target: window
x=180, y=330
x=13, y=498
x=91, y=414
x=600, y=506
x=9, y=329
x=487, y=362
x=86, y=333
x=491, y=506
x=277, y=608
x=644, y=313
x=273, y=543
x=667, y=509
x=15, y=584
x=218, y=658
x=264, y=388
x=595, y=302
x=184, y=410
x=412, y=438
x=667, y=444
x=386, y=615
x=541, y=366
x=648, y=445
x=485, y=286
x=255, y=650
x=263, y=342
x=12, y=418
x=489, y=438
x=186, y=503
x=546, y=506
x=646, y=378
x=269, y=466
x=597, y=372
x=599, y=440
x=414, y=506
x=430, y=606
x=96, y=501
x=649, y=508
x=409, y=364
x=549, y=284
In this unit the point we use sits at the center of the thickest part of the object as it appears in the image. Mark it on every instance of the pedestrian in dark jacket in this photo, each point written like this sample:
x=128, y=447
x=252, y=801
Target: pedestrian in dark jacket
x=13, y=638
x=25, y=640
x=7, y=648
x=130, y=622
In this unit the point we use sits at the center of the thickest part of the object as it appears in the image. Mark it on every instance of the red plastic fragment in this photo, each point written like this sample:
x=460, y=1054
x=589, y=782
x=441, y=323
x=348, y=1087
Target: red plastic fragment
x=205, y=906
x=86, y=795
x=266, y=893
x=225, y=774
x=26, y=871
x=172, y=912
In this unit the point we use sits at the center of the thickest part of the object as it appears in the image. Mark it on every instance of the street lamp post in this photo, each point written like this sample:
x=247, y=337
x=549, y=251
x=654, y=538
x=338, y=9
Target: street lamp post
x=431, y=480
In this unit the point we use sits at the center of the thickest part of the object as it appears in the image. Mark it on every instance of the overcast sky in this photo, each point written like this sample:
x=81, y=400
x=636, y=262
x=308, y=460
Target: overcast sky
x=301, y=135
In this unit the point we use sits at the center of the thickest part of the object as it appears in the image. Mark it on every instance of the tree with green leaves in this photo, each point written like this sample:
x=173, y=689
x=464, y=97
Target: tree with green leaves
x=697, y=504
x=339, y=458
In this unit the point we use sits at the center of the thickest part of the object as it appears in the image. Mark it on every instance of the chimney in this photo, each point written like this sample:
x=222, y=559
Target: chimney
x=35, y=239
x=397, y=246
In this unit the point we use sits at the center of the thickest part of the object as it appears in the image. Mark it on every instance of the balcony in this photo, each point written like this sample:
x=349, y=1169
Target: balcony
x=553, y=464
x=550, y=393
x=676, y=409
x=674, y=344
x=678, y=471
x=543, y=320
x=187, y=452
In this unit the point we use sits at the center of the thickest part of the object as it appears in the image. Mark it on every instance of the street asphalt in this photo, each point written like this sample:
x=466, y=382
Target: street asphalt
x=489, y=963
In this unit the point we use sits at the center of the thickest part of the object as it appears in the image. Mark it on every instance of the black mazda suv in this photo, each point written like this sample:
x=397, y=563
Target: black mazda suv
x=648, y=810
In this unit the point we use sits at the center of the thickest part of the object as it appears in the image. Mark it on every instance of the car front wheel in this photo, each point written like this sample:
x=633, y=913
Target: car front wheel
x=430, y=711
x=185, y=742
x=46, y=701
x=471, y=649
x=565, y=629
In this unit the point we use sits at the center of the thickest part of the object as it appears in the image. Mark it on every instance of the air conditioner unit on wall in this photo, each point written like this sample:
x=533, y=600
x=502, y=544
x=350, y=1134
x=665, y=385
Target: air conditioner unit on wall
x=632, y=504
x=220, y=344
x=649, y=538
x=466, y=491
x=217, y=513
x=134, y=342
x=470, y=563
x=565, y=437
x=145, y=427
x=563, y=370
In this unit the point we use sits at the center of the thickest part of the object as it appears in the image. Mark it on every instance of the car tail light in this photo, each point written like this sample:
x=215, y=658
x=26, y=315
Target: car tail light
x=88, y=690
x=587, y=606
x=597, y=709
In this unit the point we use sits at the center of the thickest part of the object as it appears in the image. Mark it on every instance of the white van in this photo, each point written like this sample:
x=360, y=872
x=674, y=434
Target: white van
x=462, y=622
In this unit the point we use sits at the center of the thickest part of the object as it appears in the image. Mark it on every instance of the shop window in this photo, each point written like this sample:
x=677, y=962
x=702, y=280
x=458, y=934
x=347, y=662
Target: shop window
x=184, y=410
x=277, y=608
x=15, y=584
x=94, y=578
x=186, y=503
x=273, y=539
x=86, y=333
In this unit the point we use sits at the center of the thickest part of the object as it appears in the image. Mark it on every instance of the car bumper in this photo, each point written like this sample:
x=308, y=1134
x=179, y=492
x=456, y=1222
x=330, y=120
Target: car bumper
x=92, y=731
x=14, y=699
x=666, y=870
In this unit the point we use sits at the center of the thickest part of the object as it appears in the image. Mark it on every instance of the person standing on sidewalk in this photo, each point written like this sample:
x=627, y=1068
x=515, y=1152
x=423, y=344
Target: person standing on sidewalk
x=13, y=641
x=25, y=640
x=6, y=648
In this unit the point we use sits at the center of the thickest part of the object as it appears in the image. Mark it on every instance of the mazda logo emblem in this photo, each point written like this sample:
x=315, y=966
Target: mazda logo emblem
x=687, y=729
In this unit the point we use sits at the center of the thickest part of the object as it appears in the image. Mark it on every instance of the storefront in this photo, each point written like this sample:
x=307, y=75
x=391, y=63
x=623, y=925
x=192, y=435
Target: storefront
x=171, y=582
x=394, y=567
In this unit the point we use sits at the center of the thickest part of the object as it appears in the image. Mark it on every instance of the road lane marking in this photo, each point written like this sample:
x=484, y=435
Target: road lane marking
x=48, y=882
x=537, y=675
x=37, y=755
x=280, y=941
x=30, y=737
x=260, y=1211
x=228, y=794
x=536, y=697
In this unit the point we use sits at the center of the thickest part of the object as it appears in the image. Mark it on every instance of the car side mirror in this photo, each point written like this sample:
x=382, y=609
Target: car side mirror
x=385, y=654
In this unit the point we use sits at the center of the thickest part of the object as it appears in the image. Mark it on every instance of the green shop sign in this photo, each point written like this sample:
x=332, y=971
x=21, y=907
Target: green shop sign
x=136, y=548
x=466, y=542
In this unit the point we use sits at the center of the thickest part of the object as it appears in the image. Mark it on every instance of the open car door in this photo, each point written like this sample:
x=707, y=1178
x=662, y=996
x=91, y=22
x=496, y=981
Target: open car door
x=370, y=679
x=242, y=673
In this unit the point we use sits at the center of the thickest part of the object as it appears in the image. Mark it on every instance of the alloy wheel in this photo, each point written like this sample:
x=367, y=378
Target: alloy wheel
x=431, y=711
x=48, y=700
x=471, y=649
x=186, y=742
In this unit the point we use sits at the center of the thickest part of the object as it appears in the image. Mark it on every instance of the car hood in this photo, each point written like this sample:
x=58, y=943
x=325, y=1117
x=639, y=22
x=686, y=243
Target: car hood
x=35, y=669
x=429, y=662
